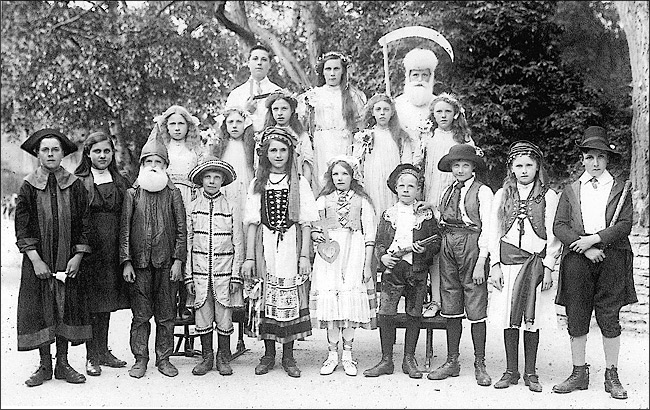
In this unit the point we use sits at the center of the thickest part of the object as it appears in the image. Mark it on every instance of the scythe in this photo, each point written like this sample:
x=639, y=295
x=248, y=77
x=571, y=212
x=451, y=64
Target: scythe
x=411, y=31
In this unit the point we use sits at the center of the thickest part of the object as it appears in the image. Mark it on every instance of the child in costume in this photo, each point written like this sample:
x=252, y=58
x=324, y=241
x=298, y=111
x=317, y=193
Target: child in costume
x=342, y=296
x=215, y=255
x=464, y=218
x=280, y=208
x=523, y=251
x=405, y=244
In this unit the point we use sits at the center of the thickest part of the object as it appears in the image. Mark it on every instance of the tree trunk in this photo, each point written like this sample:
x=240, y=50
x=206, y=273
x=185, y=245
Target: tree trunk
x=634, y=19
x=308, y=12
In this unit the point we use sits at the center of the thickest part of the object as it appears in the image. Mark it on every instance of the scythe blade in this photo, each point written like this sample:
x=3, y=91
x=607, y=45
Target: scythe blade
x=411, y=31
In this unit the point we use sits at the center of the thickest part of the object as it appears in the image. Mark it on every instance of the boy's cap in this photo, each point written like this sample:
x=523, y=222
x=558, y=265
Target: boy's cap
x=212, y=163
x=463, y=152
x=399, y=170
x=34, y=140
x=596, y=138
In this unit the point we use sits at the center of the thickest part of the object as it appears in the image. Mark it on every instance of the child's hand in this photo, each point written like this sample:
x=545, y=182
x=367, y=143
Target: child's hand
x=584, y=243
x=317, y=237
x=127, y=272
x=367, y=274
x=421, y=205
x=304, y=267
x=479, y=272
x=595, y=255
x=176, y=273
x=418, y=248
x=41, y=269
x=190, y=288
x=248, y=269
x=389, y=261
x=547, y=282
x=496, y=277
x=73, y=265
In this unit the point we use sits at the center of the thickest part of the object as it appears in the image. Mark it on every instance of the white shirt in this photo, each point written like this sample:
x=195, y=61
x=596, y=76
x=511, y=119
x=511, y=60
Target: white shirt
x=593, y=202
x=485, y=197
x=238, y=97
x=404, y=230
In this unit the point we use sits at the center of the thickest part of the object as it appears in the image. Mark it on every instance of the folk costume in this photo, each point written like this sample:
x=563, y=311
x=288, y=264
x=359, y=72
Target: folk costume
x=215, y=255
x=153, y=233
x=464, y=218
x=399, y=227
x=51, y=218
x=599, y=206
x=523, y=249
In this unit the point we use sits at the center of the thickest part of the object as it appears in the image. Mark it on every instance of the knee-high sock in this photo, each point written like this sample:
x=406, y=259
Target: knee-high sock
x=61, y=347
x=611, y=346
x=269, y=347
x=531, y=341
x=454, y=331
x=287, y=349
x=411, y=335
x=387, y=334
x=478, y=338
x=511, y=342
x=333, y=339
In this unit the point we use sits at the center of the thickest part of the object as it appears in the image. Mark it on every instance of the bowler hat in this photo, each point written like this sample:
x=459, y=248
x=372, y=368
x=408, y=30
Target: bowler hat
x=31, y=144
x=399, y=170
x=212, y=164
x=596, y=138
x=464, y=152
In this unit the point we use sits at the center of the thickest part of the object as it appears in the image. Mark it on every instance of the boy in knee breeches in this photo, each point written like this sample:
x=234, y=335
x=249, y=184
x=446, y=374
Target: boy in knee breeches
x=405, y=244
x=215, y=256
x=464, y=212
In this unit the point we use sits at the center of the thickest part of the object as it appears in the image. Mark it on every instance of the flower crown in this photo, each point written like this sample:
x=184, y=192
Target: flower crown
x=345, y=60
x=223, y=115
x=449, y=98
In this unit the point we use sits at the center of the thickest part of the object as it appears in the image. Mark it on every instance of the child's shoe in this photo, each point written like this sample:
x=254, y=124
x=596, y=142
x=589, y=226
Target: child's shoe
x=330, y=363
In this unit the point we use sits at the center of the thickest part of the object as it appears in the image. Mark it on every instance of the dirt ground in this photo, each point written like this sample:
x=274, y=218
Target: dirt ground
x=115, y=389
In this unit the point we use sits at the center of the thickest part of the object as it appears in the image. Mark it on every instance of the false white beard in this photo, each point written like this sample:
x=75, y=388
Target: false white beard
x=151, y=179
x=419, y=93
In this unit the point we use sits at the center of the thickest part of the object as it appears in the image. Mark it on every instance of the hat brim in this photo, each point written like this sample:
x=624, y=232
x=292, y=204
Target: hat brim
x=392, y=178
x=196, y=175
x=31, y=144
x=447, y=161
x=600, y=146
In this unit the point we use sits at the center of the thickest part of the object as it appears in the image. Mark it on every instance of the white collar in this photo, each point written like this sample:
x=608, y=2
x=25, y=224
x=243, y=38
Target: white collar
x=604, y=178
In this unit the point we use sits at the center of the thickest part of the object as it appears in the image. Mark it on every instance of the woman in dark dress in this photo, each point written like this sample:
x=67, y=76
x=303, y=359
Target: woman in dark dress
x=106, y=287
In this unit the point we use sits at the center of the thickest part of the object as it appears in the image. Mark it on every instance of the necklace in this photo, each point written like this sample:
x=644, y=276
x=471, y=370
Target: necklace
x=278, y=181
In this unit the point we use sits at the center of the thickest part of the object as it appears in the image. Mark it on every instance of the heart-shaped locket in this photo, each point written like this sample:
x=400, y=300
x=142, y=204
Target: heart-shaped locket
x=328, y=250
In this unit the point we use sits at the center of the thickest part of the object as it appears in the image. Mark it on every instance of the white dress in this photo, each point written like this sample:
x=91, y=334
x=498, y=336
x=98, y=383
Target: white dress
x=235, y=155
x=339, y=297
x=377, y=166
x=500, y=301
x=435, y=181
x=331, y=136
x=181, y=161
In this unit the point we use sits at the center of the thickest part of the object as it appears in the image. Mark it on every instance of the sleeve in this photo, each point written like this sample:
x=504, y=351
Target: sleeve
x=381, y=241
x=187, y=275
x=238, y=245
x=553, y=245
x=623, y=225
x=25, y=220
x=562, y=223
x=368, y=222
x=306, y=149
x=434, y=247
x=485, y=197
x=252, y=212
x=125, y=225
x=81, y=242
x=180, y=220
x=494, y=236
x=308, y=210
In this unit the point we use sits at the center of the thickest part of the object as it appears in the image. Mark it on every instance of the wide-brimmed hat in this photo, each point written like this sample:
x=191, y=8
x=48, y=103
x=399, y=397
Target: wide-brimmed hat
x=596, y=138
x=212, y=164
x=398, y=171
x=463, y=152
x=34, y=140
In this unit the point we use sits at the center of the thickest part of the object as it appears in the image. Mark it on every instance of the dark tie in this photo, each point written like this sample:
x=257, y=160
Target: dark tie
x=594, y=182
x=454, y=200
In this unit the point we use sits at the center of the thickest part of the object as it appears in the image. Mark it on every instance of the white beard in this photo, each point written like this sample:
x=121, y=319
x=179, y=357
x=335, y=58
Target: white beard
x=152, y=180
x=418, y=95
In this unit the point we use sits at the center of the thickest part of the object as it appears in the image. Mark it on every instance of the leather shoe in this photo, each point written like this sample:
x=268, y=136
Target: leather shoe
x=223, y=363
x=92, y=367
x=410, y=367
x=63, y=371
x=107, y=359
x=289, y=366
x=613, y=385
x=44, y=372
x=165, y=367
x=508, y=378
x=385, y=366
x=266, y=363
x=138, y=369
x=532, y=381
x=480, y=373
x=578, y=380
x=449, y=368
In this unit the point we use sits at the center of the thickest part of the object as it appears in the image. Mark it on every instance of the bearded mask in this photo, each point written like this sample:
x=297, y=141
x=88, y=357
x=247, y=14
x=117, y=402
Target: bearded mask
x=152, y=179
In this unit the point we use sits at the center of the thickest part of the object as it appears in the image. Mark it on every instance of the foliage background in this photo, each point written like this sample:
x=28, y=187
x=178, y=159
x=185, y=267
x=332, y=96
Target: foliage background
x=536, y=70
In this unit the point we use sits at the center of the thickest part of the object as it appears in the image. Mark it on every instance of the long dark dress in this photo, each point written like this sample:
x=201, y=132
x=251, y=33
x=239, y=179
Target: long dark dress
x=52, y=218
x=107, y=289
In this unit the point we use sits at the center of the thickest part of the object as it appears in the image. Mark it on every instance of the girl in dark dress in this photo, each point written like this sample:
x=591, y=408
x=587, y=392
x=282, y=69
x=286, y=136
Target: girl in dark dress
x=106, y=287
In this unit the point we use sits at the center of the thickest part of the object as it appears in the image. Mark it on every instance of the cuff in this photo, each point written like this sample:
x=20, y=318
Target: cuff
x=81, y=248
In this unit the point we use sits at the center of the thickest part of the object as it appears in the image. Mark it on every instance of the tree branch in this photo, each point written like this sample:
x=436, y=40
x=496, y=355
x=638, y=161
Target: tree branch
x=224, y=18
x=75, y=18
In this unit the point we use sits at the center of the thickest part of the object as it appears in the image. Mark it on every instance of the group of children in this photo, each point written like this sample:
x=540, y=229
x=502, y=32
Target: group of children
x=246, y=220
